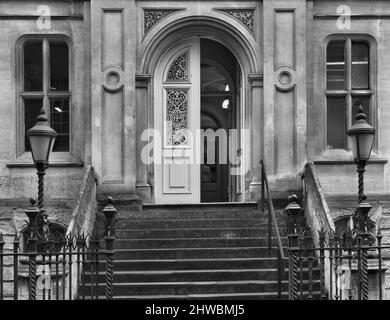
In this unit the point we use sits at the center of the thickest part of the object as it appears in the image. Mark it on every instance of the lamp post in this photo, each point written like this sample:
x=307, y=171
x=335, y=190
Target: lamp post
x=361, y=136
x=42, y=138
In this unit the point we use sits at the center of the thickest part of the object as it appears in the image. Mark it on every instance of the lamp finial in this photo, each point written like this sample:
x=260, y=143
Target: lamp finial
x=42, y=115
x=360, y=115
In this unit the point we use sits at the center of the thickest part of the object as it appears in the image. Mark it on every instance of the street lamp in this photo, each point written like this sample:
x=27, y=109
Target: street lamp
x=361, y=137
x=42, y=138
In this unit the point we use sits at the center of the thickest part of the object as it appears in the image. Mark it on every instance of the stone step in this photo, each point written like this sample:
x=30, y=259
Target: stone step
x=204, y=296
x=190, y=264
x=190, y=214
x=215, y=206
x=201, y=251
x=195, y=287
x=190, y=223
x=195, y=242
x=191, y=233
x=188, y=253
x=195, y=275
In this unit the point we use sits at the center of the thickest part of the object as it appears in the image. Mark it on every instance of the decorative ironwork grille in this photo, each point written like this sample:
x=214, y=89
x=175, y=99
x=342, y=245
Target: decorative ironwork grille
x=177, y=108
x=58, y=267
x=178, y=70
x=343, y=266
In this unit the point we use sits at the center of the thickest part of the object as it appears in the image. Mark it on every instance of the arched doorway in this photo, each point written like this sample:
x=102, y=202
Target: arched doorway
x=195, y=84
x=220, y=74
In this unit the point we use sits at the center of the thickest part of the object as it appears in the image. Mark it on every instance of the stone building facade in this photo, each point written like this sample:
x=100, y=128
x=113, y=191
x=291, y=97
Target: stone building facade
x=129, y=84
x=292, y=73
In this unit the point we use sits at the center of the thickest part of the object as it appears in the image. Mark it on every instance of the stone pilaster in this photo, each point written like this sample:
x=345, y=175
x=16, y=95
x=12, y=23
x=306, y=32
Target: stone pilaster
x=284, y=91
x=113, y=94
x=256, y=84
x=143, y=187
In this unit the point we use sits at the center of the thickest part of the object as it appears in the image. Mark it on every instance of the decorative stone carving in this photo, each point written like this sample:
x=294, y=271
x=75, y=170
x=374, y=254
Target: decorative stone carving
x=177, y=107
x=113, y=78
x=285, y=77
x=178, y=70
x=245, y=16
x=152, y=16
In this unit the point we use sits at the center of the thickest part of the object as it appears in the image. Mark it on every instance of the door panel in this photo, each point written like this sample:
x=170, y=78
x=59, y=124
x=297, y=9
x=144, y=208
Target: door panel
x=177, y=117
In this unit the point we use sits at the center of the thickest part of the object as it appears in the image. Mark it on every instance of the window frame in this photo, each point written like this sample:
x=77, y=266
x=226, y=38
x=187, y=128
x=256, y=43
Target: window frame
x=348, y=92
x=45, y=94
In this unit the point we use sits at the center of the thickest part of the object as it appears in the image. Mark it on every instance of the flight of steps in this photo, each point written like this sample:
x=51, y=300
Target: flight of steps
x=205, y=251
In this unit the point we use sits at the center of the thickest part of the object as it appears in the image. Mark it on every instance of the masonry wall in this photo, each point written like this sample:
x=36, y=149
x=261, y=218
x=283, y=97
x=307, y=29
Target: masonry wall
x=17, y=175
x=285, y=95
x=336, y=169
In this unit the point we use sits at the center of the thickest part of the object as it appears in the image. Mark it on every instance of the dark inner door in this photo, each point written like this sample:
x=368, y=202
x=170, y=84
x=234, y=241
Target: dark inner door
x=218, y=74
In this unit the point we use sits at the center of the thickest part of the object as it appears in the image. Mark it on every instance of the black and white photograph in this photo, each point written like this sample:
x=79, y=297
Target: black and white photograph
x=188, y=157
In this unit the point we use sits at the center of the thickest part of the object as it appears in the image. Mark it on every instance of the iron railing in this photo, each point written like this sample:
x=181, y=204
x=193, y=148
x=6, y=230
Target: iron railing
x=342, y=266
x=61, y=267
x=272, y=222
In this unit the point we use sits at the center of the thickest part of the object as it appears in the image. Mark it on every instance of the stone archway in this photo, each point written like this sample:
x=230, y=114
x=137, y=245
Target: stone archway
x=248, y=57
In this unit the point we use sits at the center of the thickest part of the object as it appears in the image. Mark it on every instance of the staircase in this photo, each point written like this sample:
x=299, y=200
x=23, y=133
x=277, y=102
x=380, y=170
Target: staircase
x=203, y=251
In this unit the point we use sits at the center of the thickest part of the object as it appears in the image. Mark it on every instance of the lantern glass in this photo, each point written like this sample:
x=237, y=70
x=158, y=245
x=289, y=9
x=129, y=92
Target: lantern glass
x=41, y=147
x=366, y=142
x=361, y=137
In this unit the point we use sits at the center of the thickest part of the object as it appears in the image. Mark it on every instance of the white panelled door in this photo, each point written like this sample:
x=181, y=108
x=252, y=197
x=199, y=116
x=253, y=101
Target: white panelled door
x=177, y=120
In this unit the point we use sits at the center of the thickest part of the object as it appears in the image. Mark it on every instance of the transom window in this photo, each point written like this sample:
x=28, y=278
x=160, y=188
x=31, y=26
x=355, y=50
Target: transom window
x=349, y=68
x=45, y=77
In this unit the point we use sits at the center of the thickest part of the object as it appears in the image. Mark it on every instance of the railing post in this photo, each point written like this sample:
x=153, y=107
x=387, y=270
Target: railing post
x=32, y=214
x=293, y=243
x=69, y=245
x=110, y=213
x=1, y=266
x=379, y=243
x=16, y=266
x=293, y=210
x=364, y=271
x=280, y=275
x=94, y=252
x=310, y=275
x=56, y=250
x=349, y=247
x=81, y=246
x=321, y=236
x=262, y=188
x=363, y=238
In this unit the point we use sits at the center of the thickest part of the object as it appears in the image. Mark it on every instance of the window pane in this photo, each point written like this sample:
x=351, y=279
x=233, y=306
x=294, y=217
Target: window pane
x=360, y=65
x=59, y=121
x=59, y=66
x=31, y=112
x=336, y=123
x=365, y=102
x=33, y=66
x=335, y=66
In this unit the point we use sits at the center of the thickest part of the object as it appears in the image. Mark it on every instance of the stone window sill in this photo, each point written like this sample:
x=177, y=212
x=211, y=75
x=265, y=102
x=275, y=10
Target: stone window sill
x=339, y=157
x=52, y=165
x=334, y=161
x=57, y=159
